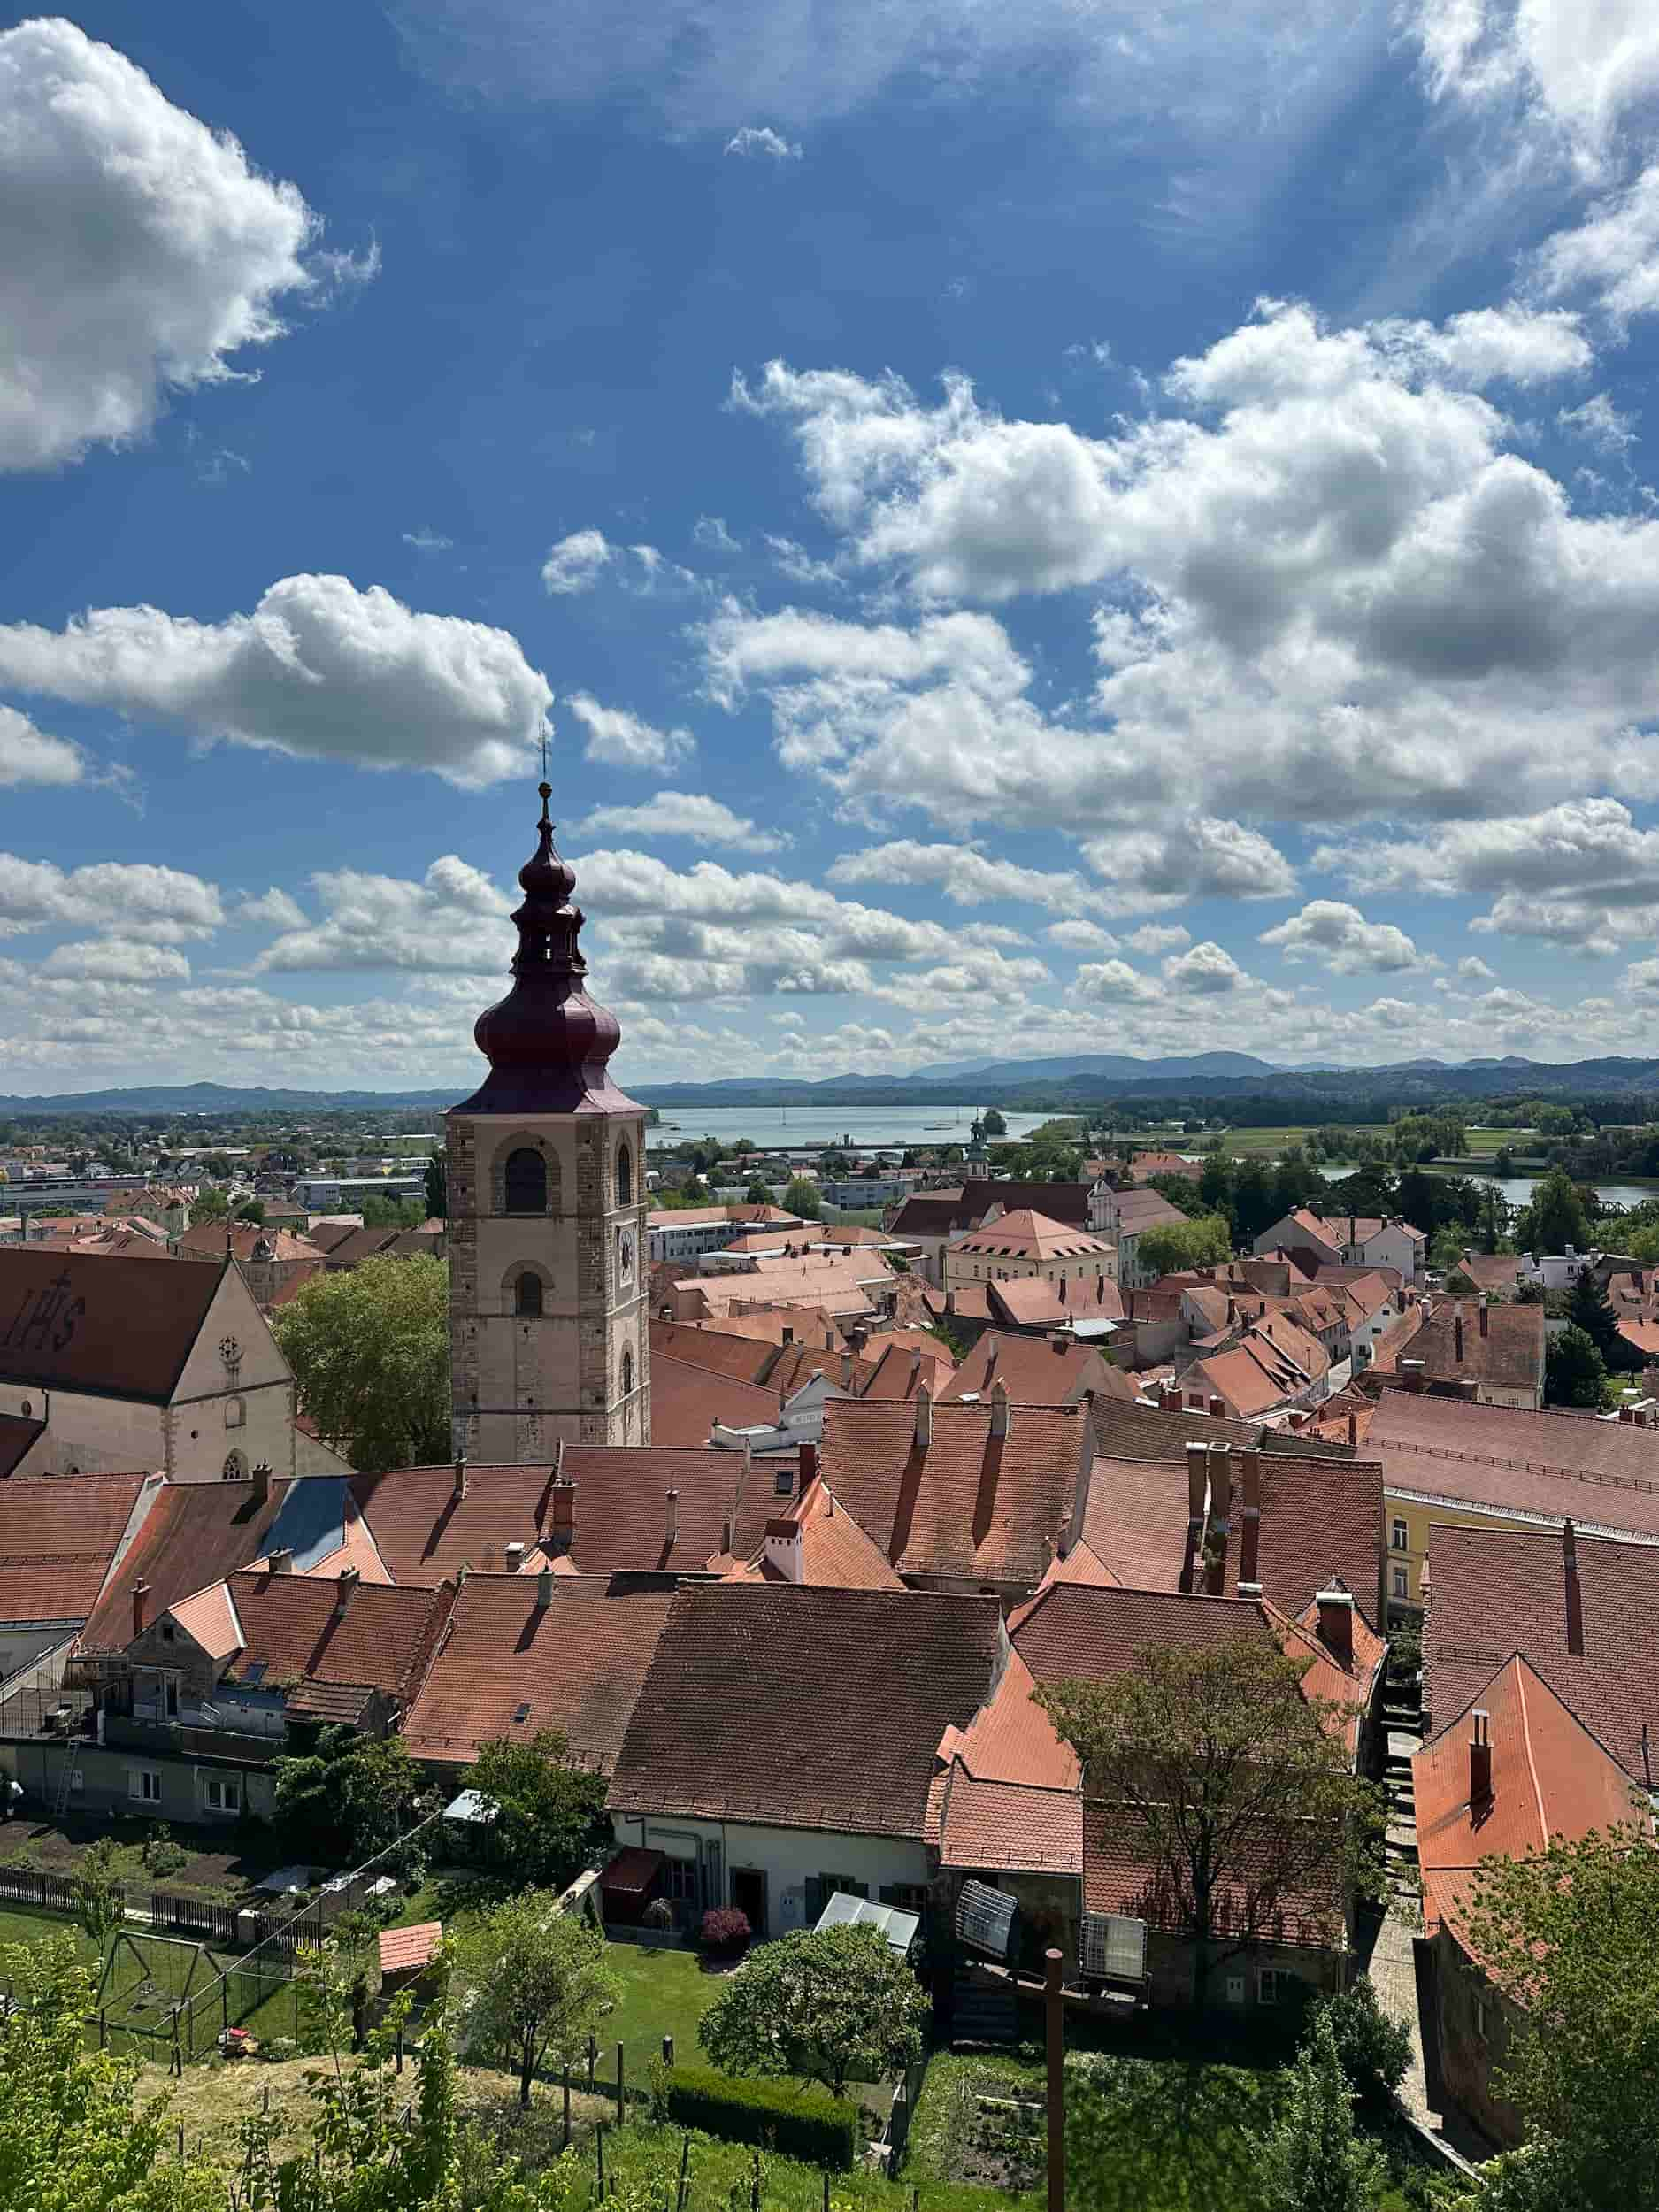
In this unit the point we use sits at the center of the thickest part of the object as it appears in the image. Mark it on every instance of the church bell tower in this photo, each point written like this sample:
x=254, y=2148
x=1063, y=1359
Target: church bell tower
x=546, y=1163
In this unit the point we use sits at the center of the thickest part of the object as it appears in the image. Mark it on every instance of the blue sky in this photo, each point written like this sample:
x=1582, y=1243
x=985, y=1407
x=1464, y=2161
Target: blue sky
x=1027, y=533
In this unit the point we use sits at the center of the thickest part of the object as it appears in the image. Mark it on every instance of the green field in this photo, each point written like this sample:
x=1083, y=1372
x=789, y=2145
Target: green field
x=664, y=1993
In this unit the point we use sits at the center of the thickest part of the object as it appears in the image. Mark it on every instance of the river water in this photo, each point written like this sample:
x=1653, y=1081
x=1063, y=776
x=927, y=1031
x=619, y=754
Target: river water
x=1518, y=1190
x=864, y=1127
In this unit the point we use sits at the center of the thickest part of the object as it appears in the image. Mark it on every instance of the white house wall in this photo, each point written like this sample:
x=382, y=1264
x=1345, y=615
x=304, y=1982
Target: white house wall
x=790, y=1857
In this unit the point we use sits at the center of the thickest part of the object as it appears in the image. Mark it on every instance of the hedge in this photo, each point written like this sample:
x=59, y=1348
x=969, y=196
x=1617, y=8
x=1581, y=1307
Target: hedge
x=804, y=2124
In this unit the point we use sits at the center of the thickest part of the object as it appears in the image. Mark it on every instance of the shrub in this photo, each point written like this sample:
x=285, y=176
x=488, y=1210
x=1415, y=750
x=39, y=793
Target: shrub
x=726, y=1930
x=1375, y=2051
x=804, y=2124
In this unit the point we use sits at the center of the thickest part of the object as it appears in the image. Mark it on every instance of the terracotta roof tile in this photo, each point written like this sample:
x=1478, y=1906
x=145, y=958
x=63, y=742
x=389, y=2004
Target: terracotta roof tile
x=1139, y=1210
x=996, y=1827
x=1030, y=1302
x=1549, y=1778
x=118, y=1327
x=425, y=1533
x=1602, y=1475
x=383, y=1640
x=60, y=1539
x=687, y=1400
x=1140, y=1432
x=1119, y=1877
x=762, y=1701
x=1036, y=1371
x=1508, y=1357
x=621, y=1505
x=208, y=1619
x=969, y=1504
x=404, y=1950
x=1497, y=1591
x=835, y=1552
x=1029, y=1235
x=1074, y=1633
x=578, y=1663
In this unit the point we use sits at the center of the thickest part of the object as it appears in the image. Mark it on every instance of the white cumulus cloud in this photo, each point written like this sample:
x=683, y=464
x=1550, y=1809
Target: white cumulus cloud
x=1338, y=935
x=29, y=756
x=617, y=738
x=691, y=814
x=763, y=141
x=141, y=251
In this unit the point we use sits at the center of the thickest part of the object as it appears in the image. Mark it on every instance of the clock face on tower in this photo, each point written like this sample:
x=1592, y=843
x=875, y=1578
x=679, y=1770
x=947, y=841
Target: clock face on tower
x=625, y=1254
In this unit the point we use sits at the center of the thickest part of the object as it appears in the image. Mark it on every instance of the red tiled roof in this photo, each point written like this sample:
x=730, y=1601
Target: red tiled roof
x=578, y=1663
x=1510, y=1355
x=405, y=1950
x=1139, y=1210
x=115, y=1327
x=1321, y=1520
x=687, y=1400
x=1119, y=1877
x=1137, y=1432
x=805, y=1708
x=1031, y=1235
x=1007, y=1826
x=1549, y=1778
x=208, y=1619
x=211, y=1239
x=938, y=1213
x=425, y=1533
x=901, y=1368
x=1037, y=1371
x=1074, y=1633
x=1556, y=1466
x=1490, y=1271
x=1497, y=1591
x=741, y=1354
x=383, y=1640
x=60, y=1539
x=621, y=1506
x=1030, y=1302
x=193, y=1533
x=835, y=1552
x=969, y=1504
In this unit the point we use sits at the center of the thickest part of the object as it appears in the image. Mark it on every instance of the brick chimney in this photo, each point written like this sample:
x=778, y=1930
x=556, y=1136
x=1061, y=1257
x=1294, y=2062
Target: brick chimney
x=1250, y=1529
x=1000, y=1416
x=1485, y=1317
x=1058, y=1339
x=280, y=1562
x=513, y=1554
x=543, y=1589
x=809, y=1463
x=1198, y=1483
x=345, y=1590
x=1480, y=1761
x=563, y=1534
x=924, y=1418
x=1218, y=1406
x=1457, y=1336
x=140, y=1605
x=1336, y=1624
x=1413, y=1375
x=1169, y=1398
x=672, y=1530
x=1353, y=1429
x=262, y=1482
x=460, y=1477
x=1574, y=1595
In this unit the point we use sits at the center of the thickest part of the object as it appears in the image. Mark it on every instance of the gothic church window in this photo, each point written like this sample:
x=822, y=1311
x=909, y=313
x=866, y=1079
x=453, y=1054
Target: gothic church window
x=625, y=1176
x=627, y=1372
x=527, y=1181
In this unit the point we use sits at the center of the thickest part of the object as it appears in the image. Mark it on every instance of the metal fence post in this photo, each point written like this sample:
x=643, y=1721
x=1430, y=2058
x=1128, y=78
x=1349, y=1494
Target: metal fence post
x=622, y=2093
x=565, y=2146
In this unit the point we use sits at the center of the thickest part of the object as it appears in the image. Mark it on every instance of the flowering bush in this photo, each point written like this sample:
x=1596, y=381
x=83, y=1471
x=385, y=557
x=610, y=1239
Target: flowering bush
x=726, y=1930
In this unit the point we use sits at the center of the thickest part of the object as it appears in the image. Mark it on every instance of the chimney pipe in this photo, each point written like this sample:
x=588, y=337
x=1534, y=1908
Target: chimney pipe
x=280, y=1562
x=140, y=1605
x=1336, y=1624
x=262, y=1482
x=1485, y=1317
x=460, y=1477
x=1574, y=1595
x=924, y=1418
x=1353, y=1429
x=1218, y=1406
x=809, y=1463
x=1457, y=1336
x=673, y=1518
x=349, y=1578
x=1251, y=1532
x=1412, y=1376
x=1220, y=1483
x=1480, y=1761
x=543, y=1589
x=998, y=1408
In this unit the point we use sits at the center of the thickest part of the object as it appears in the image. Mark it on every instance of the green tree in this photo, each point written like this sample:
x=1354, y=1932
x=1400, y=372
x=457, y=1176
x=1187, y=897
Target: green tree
x=209, y=1205
x=1554, y=1219
x=1573, y=1932
x=757, y=1194
x=1574, y=1371
x=100, y=1893
x=1173, y=1246
x=370, y=1350
x=72, y=2137
x=437, y=1187
x=550, y=1813
x=252, y=1210
x=1200, y=1754
x=537, y=1982
x=993, y=1123
x=1590, y=1309
x=801, y=1198
x=1312, y=2159
x=1375, y=2050
x=393, y=1213
x=346, y=1799
x=831, y=2005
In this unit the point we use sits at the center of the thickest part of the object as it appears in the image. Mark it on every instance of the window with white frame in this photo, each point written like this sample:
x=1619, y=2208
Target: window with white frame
x=1402, y=1541
x=221, y=1793
x=1402, y=1583
x=144, y=1785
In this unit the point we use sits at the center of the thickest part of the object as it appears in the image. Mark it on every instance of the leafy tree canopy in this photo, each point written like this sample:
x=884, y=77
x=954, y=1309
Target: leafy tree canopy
x=801, y=1198
x=1575, y=1373
x=348, y=1799
x=1173, y=1246
x=551, y=1813
x=370, y=1350
x=537, y=1983
x=830, y=2005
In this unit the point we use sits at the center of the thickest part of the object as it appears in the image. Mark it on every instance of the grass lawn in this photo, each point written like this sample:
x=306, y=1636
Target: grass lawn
x=664, y=1993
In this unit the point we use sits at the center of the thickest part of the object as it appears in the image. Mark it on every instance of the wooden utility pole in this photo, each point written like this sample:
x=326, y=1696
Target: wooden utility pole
x=1055, y=2023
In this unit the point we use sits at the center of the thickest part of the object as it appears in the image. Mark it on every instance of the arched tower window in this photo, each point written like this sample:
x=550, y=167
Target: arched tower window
x=627, y=1372
x=625, y=1176
x=526, y=1297
x=527, y=1181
